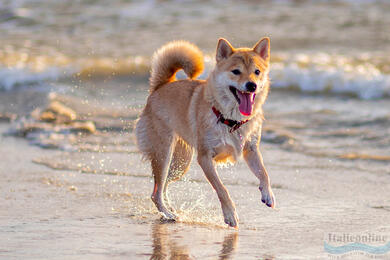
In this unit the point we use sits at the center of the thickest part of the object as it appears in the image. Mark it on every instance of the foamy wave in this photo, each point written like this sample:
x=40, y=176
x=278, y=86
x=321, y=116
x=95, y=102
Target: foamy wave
x=326, y=74
x=12, y=77
x=21, y=69
x=366, y=77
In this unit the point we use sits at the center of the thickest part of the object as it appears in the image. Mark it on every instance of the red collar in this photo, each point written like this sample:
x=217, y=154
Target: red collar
x=229, y=122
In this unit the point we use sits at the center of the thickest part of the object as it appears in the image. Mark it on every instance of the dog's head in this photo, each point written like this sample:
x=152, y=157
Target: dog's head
x=240, y=78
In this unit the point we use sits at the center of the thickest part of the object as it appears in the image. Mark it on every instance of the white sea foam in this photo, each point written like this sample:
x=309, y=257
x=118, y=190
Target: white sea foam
x=325, y=73
x=316, y=73
x=11, y=77
x=328, y=74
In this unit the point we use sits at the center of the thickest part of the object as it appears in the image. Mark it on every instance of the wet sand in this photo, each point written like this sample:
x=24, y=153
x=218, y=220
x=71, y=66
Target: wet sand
x=88, y=195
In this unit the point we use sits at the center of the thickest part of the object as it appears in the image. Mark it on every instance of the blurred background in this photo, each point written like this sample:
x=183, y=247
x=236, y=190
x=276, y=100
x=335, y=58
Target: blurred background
x=336, y=46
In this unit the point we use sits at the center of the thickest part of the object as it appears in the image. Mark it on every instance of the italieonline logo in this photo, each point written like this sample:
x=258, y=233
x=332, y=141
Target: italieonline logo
x=373, y=244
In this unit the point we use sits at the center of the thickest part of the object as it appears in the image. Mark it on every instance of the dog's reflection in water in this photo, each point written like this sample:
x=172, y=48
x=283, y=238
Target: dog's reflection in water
x=169, y=244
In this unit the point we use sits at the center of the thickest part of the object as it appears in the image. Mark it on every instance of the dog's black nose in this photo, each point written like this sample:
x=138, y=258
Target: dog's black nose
x=251, y=86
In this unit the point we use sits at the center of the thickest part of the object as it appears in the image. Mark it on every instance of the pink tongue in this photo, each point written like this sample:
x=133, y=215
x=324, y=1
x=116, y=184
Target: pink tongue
x=246, y=102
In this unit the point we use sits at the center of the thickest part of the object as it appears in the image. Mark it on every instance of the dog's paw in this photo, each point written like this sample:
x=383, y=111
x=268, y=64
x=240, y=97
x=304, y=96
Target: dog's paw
x=168, y=216
x=267, y=197
x=164, y=220
x=231, y=218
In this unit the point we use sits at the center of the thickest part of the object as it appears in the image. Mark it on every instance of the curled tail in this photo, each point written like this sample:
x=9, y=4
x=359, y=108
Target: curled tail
x=172, y=57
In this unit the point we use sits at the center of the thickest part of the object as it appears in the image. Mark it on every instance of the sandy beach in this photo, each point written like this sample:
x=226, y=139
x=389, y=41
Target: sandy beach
x=74, y=78
x=95, y=203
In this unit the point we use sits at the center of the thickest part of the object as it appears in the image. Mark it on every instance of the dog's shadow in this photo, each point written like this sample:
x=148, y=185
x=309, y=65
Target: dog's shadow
x=168, y=244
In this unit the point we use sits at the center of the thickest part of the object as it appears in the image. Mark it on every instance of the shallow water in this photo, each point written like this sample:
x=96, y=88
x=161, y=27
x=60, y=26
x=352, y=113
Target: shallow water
x=79, y=188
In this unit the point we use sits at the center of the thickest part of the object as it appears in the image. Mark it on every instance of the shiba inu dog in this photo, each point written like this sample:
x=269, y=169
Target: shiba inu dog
x=220, y=118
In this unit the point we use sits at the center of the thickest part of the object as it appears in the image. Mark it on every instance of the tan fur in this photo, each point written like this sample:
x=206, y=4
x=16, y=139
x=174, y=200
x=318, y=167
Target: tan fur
x=173, y=57
x=178, y=118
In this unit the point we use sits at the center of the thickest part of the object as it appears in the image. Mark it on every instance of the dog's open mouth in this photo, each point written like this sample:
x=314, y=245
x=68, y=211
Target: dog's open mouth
x=245, y=100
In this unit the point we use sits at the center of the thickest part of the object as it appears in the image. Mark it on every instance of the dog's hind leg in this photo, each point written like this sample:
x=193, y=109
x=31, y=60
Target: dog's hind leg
x=181, y=160
x=156, y=141
x=160, y=160
x=180, y=163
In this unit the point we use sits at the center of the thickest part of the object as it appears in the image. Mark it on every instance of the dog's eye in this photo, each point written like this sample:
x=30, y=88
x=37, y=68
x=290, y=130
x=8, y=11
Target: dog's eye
x=236, y=72
x=257, y=72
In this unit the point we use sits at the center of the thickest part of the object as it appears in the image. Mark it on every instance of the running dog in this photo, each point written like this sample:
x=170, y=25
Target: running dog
x=220, y=118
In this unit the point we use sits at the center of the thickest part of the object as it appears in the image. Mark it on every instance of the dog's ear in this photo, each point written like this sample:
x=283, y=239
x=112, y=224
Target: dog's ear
x=224, y=49
x=262, y=48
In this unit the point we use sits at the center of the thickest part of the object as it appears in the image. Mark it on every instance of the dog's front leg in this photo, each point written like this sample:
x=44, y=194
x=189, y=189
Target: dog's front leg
x=254, y=160
x=228, y=208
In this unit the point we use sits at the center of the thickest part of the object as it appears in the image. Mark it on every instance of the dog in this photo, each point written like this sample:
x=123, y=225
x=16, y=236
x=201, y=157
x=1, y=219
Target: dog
x=220, y=118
